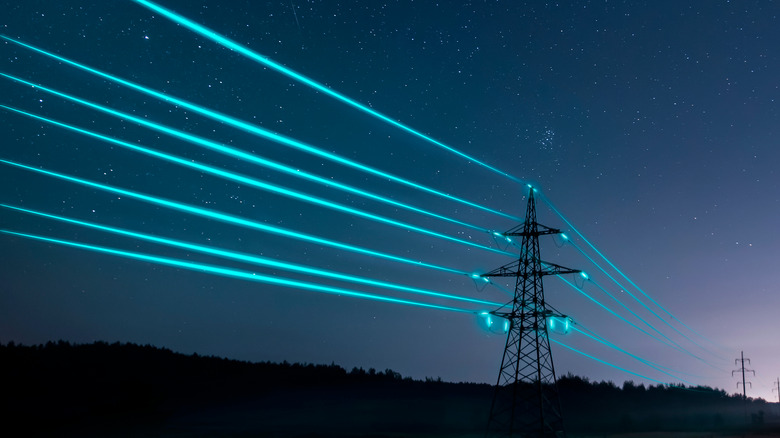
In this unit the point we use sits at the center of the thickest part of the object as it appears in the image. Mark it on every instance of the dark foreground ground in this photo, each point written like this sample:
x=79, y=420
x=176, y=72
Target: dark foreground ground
x=102, y=390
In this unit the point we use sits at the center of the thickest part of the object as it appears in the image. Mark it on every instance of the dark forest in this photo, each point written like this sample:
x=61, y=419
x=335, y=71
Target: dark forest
x=102, y=389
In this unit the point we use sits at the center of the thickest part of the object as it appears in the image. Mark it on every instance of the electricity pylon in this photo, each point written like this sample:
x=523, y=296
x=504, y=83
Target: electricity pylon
x=526, y=402
x=743, y=370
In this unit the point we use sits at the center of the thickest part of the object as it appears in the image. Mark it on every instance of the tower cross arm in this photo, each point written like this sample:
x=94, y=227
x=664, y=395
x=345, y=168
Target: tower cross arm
x=521, y=230
x=508, y=270
x=513, y=270
x=553, y=269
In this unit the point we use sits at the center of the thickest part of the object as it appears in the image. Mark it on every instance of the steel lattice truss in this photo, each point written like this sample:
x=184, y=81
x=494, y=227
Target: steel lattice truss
x=526, y=401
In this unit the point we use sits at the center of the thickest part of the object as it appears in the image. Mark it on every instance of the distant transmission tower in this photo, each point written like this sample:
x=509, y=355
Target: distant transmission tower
x=741, y=361
x=526, y=401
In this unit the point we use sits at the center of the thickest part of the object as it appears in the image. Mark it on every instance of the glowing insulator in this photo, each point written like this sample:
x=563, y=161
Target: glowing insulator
x=478, y=277
x=559, y=324
x=493, y=323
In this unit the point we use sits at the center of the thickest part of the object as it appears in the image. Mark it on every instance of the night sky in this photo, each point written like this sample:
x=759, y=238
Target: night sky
x=651, y=126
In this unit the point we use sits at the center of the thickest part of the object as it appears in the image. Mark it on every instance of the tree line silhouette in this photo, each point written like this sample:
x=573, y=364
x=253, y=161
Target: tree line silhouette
x=103, y=389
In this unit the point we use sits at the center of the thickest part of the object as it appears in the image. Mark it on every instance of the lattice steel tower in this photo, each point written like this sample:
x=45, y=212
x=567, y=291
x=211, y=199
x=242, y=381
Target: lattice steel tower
x=526, y=403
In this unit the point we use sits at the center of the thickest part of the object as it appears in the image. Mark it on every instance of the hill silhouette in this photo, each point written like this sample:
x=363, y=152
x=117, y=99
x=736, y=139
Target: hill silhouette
x=101, y=389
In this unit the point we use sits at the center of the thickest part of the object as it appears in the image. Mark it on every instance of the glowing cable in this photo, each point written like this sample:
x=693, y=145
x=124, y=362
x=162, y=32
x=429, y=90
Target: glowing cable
x=211, y=214
x=625, y=289
x=232, y=45
x=259, y=131
x=571, y=226
x=503, y=289
x=612, y=312
x=605, y=362
x=635, y=314
x=675, y=344
x=265, y=186
x=235, y=273
x=603, y=341
x=597, y=302
x=247, y=258
x=582, y=292
x=666, y=339
x=677, y=372
x=237, y=153
x=623, y=305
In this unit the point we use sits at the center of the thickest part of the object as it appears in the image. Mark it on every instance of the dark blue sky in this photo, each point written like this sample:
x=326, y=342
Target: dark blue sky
x=651, y=126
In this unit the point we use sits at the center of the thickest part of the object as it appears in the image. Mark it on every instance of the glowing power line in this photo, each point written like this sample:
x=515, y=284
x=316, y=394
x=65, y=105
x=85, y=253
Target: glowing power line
x=235, y=273
x=259, y=131
x=612, y=312
x=261, y=261
x=232, y=45
x=557, y=212
x=601, y=340
x=601, y=361
x=625, y=289
x=667, y=341
x=263, y=185
x=231, y=151
x=236, y=220
x=673, y=343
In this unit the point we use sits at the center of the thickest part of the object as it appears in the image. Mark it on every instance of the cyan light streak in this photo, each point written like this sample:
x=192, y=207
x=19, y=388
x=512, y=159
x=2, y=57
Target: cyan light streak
x=237, y=153
x=235, y=273
x=675, y=344
x=582, y=292
x=612, y=312
x=677, y=372
x=503, y=289
x=557, y=212
x=625, y=289
x=247, y=258
x=601, y=340
x=263, y=185
x=259, y=131
x=605, y=362
x=586, y=277
x=232, y=45
x=667, y=341
x=211, y=214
